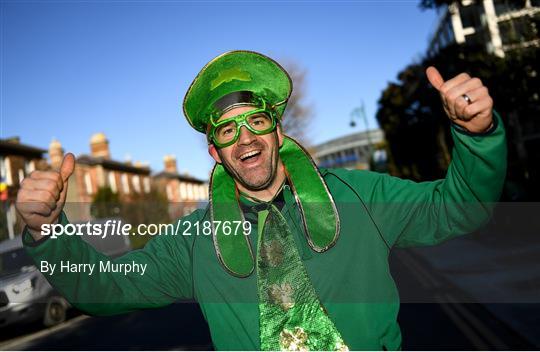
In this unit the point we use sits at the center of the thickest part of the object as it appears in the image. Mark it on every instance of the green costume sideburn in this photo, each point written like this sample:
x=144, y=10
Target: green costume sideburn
x=319, y=213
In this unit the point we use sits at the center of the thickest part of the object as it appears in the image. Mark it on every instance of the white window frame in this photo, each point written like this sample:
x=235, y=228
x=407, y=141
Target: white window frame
x=189, y=191
x=9, y=178
x=169, y=191
x=137, y=184
x=146, y=184
x=183, y=191
x=125, y=183
x=112, y=181
x=196, y=195
x=88, y=183
x=29, y=166
x=21, y=175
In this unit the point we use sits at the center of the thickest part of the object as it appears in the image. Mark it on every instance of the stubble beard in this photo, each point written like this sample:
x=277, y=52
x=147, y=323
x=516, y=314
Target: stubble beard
x=264, y=178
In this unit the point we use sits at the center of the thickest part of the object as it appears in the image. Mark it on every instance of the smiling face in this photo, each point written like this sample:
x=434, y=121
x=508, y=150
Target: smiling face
x=252, y=159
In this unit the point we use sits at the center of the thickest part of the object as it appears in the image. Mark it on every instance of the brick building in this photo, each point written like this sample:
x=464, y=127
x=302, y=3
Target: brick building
x=98, y=170
x=184, y=192
x=17, y=160
x=130, y=181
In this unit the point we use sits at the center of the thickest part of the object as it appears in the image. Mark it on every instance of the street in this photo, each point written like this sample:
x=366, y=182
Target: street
x=435, y=315
x=463, y=294
x=425, y=326
x=177, y=327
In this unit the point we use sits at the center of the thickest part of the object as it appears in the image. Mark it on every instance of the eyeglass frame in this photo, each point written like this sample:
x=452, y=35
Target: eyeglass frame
x=241, y=120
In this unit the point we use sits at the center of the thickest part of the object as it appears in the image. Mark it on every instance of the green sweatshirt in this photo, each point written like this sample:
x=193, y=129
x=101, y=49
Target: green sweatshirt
x=352, y=279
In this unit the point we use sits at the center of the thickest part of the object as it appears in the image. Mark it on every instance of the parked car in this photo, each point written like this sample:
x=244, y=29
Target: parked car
x=25, y=294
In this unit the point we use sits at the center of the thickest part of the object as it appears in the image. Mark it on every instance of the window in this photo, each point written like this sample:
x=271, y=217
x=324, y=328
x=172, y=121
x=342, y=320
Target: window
x=21, y=175
x=147, y=184
x=183, y=191
x=112, y=182
x=6, y=171
x=196, y=192
x=125, y=183
x=517, y=31
x=137, y=183
x=504, y=7
x=470, y=16
x=169, y=192
x=88, y=183
x=2, y=170
x=29, y=166
x=190, y=191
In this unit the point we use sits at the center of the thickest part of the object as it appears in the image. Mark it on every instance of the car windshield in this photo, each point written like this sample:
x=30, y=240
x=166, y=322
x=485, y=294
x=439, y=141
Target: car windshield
x=13, y=261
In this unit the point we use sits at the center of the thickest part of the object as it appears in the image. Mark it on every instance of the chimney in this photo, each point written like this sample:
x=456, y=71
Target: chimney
x=142, y=164
x=170, y=163
x=13, y=140
x=56, y=154
x=99, y=146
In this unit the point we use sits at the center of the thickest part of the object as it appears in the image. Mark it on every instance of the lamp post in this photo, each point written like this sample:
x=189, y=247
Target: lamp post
x=357, y=114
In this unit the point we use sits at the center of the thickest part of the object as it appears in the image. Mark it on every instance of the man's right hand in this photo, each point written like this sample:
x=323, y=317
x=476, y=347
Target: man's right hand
x=42, y=196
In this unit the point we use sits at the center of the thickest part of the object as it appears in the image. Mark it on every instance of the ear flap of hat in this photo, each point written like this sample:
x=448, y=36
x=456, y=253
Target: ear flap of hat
x=319, y=212
x=233, y=249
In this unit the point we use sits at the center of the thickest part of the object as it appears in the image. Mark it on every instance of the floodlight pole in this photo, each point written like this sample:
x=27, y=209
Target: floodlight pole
x=360, y=113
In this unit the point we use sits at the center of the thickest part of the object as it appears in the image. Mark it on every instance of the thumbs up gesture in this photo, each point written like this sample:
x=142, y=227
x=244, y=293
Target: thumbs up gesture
x=465, y=99
x=42, y=195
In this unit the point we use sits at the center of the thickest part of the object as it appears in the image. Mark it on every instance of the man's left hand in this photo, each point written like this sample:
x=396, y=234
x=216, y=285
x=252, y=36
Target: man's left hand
x=465, y=99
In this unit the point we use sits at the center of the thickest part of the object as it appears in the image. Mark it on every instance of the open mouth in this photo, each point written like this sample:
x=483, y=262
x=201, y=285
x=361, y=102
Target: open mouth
x=250, y=157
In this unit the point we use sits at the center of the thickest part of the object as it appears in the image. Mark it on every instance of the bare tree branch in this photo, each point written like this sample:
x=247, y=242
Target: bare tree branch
x=299, y=113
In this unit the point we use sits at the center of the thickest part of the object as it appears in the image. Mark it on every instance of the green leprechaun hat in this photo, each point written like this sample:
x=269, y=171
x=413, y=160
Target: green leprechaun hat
x=235, y=73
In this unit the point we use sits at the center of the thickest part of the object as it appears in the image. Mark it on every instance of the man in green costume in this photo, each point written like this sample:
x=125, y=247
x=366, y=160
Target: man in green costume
x=312, y=272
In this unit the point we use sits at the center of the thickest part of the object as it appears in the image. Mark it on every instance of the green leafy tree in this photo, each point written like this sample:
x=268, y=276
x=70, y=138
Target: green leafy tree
x=434, y=4
x=106, y=203
x=417, y=130
x=145, y=208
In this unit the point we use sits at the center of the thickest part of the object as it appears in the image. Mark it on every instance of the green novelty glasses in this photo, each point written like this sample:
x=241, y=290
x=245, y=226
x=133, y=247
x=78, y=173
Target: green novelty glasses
x=258, y=121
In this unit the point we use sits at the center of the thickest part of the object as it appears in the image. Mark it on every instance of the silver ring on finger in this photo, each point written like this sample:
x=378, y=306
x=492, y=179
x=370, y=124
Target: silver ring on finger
x=467, y=99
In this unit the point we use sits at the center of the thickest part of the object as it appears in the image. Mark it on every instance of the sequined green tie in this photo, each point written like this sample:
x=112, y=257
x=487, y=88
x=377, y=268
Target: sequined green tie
x=291, y=316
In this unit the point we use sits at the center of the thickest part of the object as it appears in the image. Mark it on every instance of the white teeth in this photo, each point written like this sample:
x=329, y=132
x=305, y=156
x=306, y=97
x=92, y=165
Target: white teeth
x=248, y=154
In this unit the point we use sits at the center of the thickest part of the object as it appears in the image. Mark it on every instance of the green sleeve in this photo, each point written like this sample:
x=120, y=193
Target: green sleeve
x=167, y=278
x=426, y=213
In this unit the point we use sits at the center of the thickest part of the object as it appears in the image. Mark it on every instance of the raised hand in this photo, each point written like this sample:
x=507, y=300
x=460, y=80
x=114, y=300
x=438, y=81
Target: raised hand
x=42, y=196
x=465, y=99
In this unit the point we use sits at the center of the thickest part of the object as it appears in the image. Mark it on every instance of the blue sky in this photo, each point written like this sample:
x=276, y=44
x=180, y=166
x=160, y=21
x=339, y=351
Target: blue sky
x=72, y=68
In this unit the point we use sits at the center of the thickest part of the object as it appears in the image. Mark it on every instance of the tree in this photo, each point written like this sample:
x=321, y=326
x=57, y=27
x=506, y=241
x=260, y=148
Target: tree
x=407, y=115
x=106, y=204
x=299, y=112
x=145, y=208
x=417, y=129
x=434, y=4
x=140, y=208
